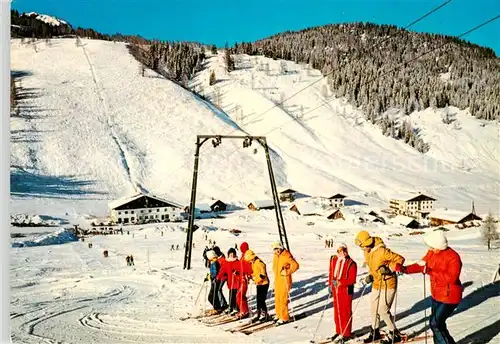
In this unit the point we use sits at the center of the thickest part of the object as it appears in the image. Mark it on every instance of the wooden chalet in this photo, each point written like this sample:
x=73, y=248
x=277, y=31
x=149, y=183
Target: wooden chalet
x=208, y=206
x=261, y=205
x=444, y=217
x=335, y=214
x=287, y=195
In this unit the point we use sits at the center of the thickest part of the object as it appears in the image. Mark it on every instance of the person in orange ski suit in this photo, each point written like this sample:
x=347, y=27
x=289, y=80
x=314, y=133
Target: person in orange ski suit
x=341, y=280
x=284, y=265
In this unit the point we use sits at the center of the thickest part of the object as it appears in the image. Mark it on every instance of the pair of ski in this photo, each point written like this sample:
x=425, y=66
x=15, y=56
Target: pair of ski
x=405, y=338
x=253, y=327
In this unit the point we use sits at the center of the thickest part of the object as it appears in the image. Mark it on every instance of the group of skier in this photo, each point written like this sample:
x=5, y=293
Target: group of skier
x=441, y=263
x=237, y=273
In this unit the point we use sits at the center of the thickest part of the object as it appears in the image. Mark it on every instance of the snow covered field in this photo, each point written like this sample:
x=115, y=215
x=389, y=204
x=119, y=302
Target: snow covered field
x=91, y=129
x=72, y=294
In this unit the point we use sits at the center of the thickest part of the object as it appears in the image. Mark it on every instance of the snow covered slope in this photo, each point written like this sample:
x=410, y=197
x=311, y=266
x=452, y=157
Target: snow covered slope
x=92, y=127
x=340, y=151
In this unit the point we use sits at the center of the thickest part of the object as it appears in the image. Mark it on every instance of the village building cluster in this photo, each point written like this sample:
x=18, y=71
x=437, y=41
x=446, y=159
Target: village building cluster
x=409, y=210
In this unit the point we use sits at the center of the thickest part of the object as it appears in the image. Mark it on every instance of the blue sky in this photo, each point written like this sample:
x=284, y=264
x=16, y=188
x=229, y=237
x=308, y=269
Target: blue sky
x=218, y=21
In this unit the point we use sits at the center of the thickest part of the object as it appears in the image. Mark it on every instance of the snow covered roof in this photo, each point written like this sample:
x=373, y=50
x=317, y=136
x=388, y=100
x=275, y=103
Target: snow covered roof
x=202, y=207
x=307, y=208
x=286, y=190
x=336, y=196
x=408, y=196
x=403, y=220
x=449, y=214
x=262, y=203
x=125, y=200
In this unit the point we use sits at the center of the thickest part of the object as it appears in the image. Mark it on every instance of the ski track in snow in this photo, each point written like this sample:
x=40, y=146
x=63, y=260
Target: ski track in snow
x=121, y=147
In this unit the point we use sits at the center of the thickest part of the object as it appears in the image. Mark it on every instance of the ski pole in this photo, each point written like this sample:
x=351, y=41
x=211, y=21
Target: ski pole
x=395, y=309
x=199, y=293
x=321, y=318
x=355, y=307
x=425, y=310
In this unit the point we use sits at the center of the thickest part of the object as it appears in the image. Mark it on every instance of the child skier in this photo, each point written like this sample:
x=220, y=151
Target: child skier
x=341, y=280
x=284, y=265
x=259, y=277
x=443, y=265
x=380, y=261
x=220, y=284
x=226, y=273
x=213, y=298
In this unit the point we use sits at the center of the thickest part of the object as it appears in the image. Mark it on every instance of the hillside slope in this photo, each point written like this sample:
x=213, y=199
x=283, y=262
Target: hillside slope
x=343, y=152
x=90, y=126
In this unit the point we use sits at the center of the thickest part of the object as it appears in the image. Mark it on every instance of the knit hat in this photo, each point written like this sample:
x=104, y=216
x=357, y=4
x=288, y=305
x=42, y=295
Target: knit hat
x=211, y=255
x=276, y=245
x=231, y=250
x=363, y=239
x=343, y=245
x=243, y=247
x=217, y=251
x=249, y=255
x=437, y=240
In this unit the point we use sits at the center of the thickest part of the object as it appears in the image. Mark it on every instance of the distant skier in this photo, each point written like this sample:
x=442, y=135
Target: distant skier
x=127, y=259
x=341, y=280
x=382, y=263
x=443, y=265
x=132, y=260
x=90, y=245
x=172, y=247
x=176, y=247
x=205, y=258
x=105, y=253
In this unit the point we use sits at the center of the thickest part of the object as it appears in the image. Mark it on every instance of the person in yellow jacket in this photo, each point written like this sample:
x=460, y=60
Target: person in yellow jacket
x=382, y=264
x=259, y=277
x=284, y=265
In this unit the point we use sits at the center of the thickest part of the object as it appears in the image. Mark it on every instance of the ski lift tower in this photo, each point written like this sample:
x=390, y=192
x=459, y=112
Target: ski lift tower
x=247, y=142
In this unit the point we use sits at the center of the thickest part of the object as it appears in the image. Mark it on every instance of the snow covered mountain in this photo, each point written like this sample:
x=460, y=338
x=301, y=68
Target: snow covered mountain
x=89, y=126
x=46, y=19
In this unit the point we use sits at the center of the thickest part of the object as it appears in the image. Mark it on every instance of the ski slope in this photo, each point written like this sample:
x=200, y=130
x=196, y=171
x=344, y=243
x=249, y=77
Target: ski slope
x=90, y=127
x=70, y=293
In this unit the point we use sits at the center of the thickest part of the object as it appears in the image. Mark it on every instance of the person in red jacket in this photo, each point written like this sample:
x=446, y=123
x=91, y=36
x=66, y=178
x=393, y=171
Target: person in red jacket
x=227, y=273
x=219, y=283
x=244, y=273
x=341, y=280
x=443, y=265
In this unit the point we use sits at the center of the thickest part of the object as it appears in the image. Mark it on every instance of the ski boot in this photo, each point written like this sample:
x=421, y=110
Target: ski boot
x=256, y=318
x=374, y=336
x=392, y=337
